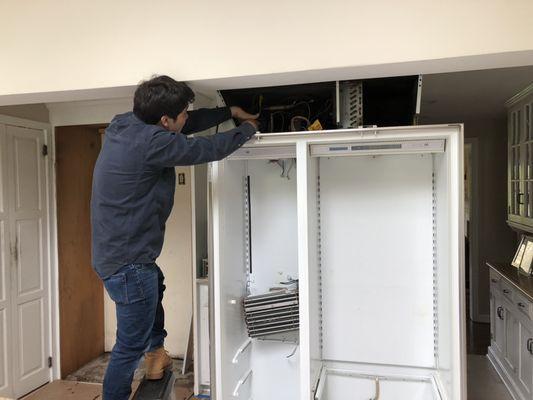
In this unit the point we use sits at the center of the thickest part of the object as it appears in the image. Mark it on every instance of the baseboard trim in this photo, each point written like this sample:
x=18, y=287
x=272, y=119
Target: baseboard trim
x=483, y=318
x=508, y=382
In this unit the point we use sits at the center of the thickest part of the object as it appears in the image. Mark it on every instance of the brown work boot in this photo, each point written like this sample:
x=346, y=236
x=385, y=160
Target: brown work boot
x=156, y=362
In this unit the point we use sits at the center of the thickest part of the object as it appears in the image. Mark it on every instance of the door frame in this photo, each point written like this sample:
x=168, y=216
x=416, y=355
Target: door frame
x=474, y=234
x=53, y=328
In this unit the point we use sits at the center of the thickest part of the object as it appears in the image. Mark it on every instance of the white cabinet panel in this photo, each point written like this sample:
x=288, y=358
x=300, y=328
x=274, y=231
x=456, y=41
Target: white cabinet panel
x=511, y=350
x=525, y=366
x=366, y=270
x=511, y=339
x=499, y=327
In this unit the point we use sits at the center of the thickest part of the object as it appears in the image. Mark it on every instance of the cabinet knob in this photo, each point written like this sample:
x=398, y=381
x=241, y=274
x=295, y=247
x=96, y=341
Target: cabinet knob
x=506, y=291
x=521, y=305
x=494, y=280
x=519, y=198
x=499, y=312
x=529, y=345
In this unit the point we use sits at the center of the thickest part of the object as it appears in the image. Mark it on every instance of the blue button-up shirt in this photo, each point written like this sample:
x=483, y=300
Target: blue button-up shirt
x=134, y=182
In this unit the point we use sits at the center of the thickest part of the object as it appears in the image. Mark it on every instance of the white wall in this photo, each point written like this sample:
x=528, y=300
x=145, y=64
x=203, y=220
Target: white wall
x=52, y=45
x=176, y=257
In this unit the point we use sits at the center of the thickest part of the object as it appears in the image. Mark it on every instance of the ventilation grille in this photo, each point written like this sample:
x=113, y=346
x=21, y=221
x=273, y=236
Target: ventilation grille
x=272, y=313
x=351, y=104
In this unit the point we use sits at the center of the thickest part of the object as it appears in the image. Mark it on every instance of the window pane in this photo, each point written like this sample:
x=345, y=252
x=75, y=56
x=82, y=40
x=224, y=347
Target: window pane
x=518, y=127
x=527, y=161
x=529, y=133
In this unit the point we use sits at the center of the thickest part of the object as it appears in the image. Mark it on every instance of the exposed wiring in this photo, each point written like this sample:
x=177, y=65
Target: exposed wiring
x=286, y=166
x=296, y=118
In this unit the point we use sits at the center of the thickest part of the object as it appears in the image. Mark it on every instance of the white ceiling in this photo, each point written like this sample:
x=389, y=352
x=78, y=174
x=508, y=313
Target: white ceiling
x=463, y=96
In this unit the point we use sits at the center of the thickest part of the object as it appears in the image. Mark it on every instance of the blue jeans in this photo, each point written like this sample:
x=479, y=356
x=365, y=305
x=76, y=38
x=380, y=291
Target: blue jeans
x=137, y=290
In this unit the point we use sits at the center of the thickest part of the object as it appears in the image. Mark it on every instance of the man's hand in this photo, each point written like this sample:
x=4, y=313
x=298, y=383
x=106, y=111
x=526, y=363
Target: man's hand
x=241, y=115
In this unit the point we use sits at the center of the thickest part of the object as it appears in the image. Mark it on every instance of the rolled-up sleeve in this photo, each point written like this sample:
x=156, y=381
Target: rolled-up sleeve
x=168, y=149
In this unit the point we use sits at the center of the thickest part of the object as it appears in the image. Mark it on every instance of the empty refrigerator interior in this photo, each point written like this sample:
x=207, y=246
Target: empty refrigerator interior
x=383, y=275
x=266, y=349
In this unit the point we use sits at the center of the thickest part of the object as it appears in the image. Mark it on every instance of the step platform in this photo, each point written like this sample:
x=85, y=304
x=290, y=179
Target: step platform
x=161, y=389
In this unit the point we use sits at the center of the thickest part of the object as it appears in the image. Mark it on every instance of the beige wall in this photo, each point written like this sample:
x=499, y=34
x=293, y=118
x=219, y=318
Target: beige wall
x=496, y=239
x=176, y=263
x=53, y=45
x=33, y=112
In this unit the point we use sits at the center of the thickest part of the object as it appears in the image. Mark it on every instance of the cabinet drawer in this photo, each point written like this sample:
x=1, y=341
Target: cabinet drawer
x=507, y=290
x=524, y=305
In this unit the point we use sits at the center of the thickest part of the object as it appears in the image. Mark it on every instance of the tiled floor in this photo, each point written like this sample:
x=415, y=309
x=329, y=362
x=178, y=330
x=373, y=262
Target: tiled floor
x=483, y=381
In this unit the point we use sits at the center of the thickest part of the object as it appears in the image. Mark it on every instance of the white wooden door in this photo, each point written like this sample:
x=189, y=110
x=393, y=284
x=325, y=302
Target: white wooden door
x=28, y=229
x=6, y=385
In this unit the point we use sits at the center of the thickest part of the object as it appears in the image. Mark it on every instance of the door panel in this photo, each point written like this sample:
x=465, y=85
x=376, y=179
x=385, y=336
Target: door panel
x=28, y=195
x=81, y=306
x=525, y=370
x=29, y=241
x=499, y=329
x=31, y=325
x=4, y=367
x=28, y=257
x=511, y=340
x=6, y=387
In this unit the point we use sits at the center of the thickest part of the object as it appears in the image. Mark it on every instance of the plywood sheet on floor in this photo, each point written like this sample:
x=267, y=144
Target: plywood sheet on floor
x=69, y=390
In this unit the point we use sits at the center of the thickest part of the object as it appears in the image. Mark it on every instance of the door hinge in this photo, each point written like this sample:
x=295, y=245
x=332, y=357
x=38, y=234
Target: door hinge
x=49, y=362
x=45, y=150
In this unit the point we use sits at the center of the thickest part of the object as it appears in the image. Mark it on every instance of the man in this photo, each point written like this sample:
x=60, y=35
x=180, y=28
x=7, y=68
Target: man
x=133, y=193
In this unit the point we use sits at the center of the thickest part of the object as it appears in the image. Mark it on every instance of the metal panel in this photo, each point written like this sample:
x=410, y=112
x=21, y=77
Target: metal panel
x=376, y=215
x=378, y=148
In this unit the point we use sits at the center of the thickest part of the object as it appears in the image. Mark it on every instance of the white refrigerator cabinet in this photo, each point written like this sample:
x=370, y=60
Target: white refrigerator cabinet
x=370, y=222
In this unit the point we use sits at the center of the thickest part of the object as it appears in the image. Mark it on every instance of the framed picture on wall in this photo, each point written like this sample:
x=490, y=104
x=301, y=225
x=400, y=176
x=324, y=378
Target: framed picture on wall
x=523, y=258
x=519, y=255
x=527, y=258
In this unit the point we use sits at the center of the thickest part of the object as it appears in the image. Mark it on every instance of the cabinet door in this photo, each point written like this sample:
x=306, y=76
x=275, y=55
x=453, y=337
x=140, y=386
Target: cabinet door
x=492, y=316
x=527, y=151
x=515, y=175
x=525, y=362
x=499, y=327
x=511, y=339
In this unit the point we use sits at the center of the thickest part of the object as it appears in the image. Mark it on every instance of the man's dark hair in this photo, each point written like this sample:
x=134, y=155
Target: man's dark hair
x=160, y=96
